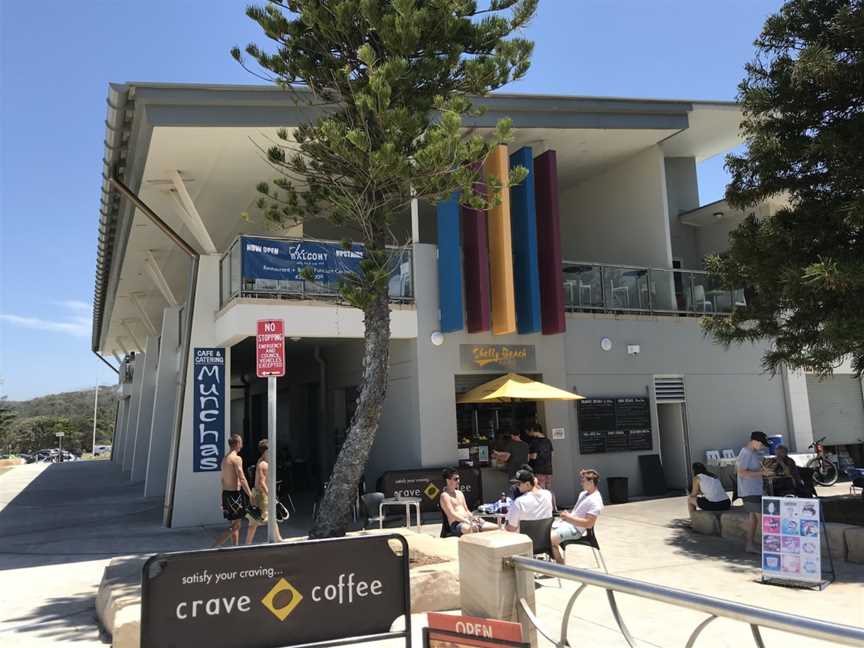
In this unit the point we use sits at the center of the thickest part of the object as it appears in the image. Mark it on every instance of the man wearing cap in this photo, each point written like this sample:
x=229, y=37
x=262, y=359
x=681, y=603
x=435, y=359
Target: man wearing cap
x=535, y=503
x=750, y=484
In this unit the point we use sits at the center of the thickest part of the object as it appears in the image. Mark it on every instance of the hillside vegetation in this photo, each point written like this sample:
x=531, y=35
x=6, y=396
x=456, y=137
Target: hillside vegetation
x=27, y=426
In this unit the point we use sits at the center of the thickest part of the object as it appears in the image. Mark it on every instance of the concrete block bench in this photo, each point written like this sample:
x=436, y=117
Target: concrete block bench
x=733, y=525
x=854, y=537
x=705, y=522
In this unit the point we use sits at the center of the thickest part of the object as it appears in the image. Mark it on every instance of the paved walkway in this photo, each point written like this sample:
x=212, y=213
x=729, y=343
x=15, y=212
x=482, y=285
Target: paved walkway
x=61, y=524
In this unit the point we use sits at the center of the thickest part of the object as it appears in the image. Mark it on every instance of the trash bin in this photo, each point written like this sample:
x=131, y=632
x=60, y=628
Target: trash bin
x=617, y=487
x=774, y=441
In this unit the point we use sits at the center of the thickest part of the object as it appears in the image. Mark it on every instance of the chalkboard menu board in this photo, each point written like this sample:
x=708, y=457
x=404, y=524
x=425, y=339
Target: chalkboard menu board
x=614, y=424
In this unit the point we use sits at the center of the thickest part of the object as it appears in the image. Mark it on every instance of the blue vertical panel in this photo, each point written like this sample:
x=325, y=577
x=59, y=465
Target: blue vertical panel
x=523, y=221
x=450, y=265
x=208, y=409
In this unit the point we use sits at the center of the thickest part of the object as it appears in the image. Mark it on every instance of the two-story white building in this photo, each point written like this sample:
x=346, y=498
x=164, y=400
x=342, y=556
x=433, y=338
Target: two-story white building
x=590, y=280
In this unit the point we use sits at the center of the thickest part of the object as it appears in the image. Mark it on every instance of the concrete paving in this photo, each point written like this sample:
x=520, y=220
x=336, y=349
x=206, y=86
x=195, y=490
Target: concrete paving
x=61, y=524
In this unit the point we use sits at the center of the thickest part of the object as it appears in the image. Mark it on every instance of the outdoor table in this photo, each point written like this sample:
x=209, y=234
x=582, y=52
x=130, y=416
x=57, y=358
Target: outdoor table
x=498, y=517
x=407, y=502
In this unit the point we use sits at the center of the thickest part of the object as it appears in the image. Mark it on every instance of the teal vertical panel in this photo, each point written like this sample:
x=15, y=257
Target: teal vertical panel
x=450, y=265
x=523, y=223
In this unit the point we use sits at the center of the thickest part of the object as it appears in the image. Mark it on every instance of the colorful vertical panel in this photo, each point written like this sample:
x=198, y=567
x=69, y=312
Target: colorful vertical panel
x=501, y=247
x=449, y=265
x=475, y=262
x=549, y=243
x=523, y=220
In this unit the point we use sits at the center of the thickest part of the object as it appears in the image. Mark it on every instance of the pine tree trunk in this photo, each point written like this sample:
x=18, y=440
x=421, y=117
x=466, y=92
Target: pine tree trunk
x=334, y=512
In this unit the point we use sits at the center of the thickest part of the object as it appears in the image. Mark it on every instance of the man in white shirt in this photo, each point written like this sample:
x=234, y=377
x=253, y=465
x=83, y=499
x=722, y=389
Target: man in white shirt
x=575, y=524
x=534, y=503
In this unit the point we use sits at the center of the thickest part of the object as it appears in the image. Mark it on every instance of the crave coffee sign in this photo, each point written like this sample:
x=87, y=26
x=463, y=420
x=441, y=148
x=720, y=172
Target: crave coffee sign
x=270, y=348
x=276, y=595
x=498, y=357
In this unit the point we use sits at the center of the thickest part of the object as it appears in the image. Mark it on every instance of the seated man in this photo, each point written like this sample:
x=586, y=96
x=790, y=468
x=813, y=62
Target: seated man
x=574, y=524
x=456, y=510
x=535, y=502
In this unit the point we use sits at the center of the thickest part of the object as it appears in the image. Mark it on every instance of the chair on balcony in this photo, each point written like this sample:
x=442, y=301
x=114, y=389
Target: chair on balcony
x=699, y=300
x=620, y=293
x=738, y=298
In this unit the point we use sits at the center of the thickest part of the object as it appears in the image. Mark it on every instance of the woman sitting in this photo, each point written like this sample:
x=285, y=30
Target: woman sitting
x=707, y=493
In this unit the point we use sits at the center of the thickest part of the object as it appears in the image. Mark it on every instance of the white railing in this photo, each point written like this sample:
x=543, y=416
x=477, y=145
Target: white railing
x=715, y=608
x=592, y=286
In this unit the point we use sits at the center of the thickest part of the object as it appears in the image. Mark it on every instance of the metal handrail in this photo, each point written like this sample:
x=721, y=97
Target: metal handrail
x=714, y=607
x=618, y=266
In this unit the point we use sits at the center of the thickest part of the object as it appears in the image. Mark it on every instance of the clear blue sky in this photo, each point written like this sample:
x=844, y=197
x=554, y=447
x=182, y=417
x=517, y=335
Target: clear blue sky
x=59, y=56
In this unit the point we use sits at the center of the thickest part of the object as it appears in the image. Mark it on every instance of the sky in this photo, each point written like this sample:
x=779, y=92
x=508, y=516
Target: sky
x=56, y=63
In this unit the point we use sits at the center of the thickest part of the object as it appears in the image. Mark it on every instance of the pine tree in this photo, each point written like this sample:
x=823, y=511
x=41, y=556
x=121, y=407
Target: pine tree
x=390, y=82
x=803, y=104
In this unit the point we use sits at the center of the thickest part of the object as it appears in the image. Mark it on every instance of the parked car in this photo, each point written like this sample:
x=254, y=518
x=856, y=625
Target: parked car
x=101, y=449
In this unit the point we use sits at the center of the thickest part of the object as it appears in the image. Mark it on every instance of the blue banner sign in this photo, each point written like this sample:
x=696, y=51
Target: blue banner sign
x=274, y=259
x=208, y=409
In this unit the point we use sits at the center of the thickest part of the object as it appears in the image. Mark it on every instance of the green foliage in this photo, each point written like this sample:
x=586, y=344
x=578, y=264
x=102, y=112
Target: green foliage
x=803, y=101
x=33, y=423
x=387, y=85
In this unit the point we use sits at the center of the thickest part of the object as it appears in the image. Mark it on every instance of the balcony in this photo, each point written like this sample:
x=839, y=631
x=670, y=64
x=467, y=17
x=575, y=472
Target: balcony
x=256, y=268
x=615, y=288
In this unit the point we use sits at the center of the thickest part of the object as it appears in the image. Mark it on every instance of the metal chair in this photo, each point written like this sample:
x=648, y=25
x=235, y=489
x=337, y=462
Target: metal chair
x=588, y=540
x=446, y=531
x=370, y=507
x=540, y=532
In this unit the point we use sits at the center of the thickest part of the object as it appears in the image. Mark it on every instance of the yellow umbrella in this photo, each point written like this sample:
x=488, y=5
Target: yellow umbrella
x=512, y=387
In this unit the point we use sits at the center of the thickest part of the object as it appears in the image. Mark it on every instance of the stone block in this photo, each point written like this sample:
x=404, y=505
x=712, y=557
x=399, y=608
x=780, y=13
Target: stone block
x=487, y=587
x=435, y=588
x=705, y=522
x=127, y=628
x=854, y=537
x=836, y=532
x=426, y=548
x=733, y=526
x=120, y=586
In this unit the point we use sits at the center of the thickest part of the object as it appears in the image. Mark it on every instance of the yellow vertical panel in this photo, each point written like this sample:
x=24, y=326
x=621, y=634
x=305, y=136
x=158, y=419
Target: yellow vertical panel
x=501, y=247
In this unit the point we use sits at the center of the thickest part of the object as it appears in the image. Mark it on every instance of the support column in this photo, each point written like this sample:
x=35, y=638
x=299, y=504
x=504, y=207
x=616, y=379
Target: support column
x=798, y=421
x=132, y=415
x=120, y=428
x=164, y=404
x=195, y=493
x=145, y=410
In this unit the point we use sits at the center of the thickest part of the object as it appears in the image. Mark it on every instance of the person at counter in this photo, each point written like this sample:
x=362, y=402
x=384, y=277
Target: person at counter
x=513, y=454
x=540, y=455
x=455, y=508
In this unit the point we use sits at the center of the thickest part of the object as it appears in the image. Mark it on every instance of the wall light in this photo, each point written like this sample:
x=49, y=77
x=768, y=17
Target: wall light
x=437, y=338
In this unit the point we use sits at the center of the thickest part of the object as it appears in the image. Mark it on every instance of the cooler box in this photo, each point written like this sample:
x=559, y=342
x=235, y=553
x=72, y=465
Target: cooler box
x=774, y=441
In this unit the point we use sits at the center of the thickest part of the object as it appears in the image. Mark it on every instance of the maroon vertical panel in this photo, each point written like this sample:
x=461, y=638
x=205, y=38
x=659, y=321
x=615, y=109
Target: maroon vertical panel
x=549, y=243
x=475, y=270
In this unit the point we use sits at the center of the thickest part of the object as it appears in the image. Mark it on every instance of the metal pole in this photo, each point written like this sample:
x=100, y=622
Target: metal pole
x=95, y=408
x=272, y=527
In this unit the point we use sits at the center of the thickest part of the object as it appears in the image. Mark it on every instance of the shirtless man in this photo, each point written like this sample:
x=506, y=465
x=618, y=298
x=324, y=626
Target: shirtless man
x=453, y=504
x=235, y=491
x=261, y=494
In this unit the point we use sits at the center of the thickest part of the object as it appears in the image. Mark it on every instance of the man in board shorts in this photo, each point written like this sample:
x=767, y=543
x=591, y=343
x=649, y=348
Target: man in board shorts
x=235, y=491
x=260, y=494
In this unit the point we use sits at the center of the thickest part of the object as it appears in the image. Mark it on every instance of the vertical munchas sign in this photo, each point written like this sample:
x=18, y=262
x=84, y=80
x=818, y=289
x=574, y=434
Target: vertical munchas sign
x=208, y=409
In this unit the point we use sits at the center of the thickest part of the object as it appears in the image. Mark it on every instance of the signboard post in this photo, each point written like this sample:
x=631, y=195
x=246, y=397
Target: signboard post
x=792, y=542
x=270, y=364
x=60, y=436
x=318, y=592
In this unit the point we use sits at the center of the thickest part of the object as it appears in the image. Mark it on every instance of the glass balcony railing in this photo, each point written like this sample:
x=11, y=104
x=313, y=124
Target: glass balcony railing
x=603, y=287
x=271, y=268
